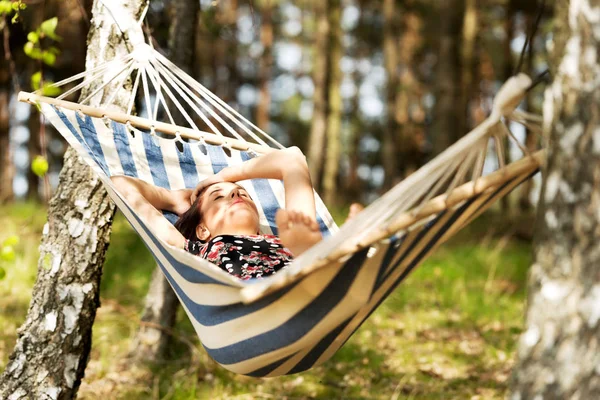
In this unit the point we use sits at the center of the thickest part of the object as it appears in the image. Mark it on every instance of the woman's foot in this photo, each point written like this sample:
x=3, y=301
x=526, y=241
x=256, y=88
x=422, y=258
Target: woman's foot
x=298, y=232
x=355, y=209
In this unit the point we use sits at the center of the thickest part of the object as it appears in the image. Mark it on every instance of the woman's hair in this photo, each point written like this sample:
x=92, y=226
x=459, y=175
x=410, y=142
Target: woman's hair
x=189, y=220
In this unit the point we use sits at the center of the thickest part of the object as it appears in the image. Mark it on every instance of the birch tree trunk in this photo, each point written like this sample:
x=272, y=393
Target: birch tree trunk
x=54, y=342
x=559, y=356
x=160, y=309
x=319, y=120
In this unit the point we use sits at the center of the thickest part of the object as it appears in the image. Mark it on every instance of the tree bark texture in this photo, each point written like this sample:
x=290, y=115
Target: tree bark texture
x=448, y=119
x=34, y=147
x=265, y=64
x=54, y=342
x=559, y=352
x=160, y=307
x=319, y=121
x=334, y=116
x=6, y=165
x=391, y=131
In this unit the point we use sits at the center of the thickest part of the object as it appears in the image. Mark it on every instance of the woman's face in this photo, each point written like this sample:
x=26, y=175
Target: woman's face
x=228, y=209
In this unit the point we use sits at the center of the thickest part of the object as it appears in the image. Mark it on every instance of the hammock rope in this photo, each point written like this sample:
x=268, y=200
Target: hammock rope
x=299, y=317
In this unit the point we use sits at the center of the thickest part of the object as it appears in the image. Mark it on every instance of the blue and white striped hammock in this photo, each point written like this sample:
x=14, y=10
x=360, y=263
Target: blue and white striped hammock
x=299, y=317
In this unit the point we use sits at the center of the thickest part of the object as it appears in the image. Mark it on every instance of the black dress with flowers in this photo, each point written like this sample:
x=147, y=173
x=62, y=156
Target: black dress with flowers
x=243, y=256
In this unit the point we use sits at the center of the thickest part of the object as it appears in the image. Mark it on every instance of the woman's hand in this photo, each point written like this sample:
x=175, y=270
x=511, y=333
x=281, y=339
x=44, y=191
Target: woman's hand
x=227, y=174
x=180, y=200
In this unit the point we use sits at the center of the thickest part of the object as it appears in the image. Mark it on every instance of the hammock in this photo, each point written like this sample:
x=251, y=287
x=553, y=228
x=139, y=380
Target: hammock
x=299, y=317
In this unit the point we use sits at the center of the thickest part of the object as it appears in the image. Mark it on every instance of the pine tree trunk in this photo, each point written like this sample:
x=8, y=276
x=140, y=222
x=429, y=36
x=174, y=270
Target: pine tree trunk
x=391, y=131
x=334, y=117
x=266, y=60
x=54, y=342
x=558, y=355
x=6, y=165
x=319, y=119
x=160, y=308
x=33, y=124
x=449, y=117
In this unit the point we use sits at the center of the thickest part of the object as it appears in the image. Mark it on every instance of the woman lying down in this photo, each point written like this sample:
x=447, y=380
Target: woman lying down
x=219, y=221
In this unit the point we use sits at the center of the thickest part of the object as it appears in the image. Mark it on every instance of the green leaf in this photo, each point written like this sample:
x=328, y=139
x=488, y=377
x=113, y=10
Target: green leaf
x=33, y=37
x=5, y=7
x=39, y=166
x=36, y=80
x=48, y=58
x=48, y=28
x=2, y=273
x=11, y=241
x=28, y=48
x=7, y=253
x=54, y=50
x=50, y=90
x=15, y=5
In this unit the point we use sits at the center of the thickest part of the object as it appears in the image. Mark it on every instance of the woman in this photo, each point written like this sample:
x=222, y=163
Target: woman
x=220, y=222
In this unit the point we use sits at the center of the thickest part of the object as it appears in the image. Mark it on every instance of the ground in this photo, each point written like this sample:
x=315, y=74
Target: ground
x=448, y=332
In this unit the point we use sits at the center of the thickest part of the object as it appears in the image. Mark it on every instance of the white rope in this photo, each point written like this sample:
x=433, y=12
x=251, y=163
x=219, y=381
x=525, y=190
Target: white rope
x=134, y=92
x=119, y=86
x=145, y=87
x=158, y=87
x=182, y=88
x=215, y=105
x=105, y=83
x=214, y=99
x=100, y=67
x=189, y=102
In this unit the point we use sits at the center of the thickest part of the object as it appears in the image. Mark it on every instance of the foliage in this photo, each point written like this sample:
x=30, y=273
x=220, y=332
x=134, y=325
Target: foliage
x=7, y=7
x=33, y=48
x=39, y=166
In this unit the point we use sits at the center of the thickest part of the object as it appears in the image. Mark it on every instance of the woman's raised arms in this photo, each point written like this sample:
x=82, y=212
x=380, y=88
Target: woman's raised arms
x=147, y=200
x=288, y=165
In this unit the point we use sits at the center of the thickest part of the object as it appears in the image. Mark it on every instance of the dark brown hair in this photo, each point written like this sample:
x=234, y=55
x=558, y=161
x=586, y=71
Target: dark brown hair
x=189, y=220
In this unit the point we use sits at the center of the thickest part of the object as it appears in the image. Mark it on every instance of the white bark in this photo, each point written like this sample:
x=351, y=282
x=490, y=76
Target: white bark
x=52, y=350
x=559, y=355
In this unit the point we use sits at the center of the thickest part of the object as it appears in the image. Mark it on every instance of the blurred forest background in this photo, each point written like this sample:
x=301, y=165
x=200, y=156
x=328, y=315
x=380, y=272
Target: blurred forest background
x=370, y=91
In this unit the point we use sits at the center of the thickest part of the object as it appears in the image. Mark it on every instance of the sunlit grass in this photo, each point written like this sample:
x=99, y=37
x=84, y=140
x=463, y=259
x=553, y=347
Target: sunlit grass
x=448, y=331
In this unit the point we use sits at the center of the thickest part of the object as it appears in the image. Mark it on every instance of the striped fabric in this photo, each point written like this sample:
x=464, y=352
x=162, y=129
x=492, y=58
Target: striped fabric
x=295, y=327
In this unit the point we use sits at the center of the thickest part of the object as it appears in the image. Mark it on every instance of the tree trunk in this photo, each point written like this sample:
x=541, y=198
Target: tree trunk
x=319, y=119
x=34, y=147
x=449, y=117
x=6, y=164
x=391, y=131
x=530, y=137
x=334, y=117
x=54, y=343
x=160, y=309
x=266, y=61
x=558, y=355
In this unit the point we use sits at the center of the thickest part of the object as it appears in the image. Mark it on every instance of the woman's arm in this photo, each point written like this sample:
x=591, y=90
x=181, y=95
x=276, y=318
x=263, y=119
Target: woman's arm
x=147, y=200
x=288, y=165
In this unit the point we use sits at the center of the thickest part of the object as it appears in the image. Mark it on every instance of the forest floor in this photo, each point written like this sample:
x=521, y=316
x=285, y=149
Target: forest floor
x=448, y=332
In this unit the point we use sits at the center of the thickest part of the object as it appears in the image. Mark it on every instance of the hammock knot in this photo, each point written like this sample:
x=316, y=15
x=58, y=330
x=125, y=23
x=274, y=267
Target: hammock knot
x=510, y=95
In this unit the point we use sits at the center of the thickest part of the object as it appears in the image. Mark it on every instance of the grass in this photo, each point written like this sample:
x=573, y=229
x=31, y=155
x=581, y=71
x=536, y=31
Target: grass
x=448, y=332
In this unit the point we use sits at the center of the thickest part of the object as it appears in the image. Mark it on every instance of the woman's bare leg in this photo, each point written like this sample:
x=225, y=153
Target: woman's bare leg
x=297, y=231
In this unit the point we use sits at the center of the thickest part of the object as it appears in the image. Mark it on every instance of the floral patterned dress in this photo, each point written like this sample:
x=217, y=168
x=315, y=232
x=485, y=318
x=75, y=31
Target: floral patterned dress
x=243, y=256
